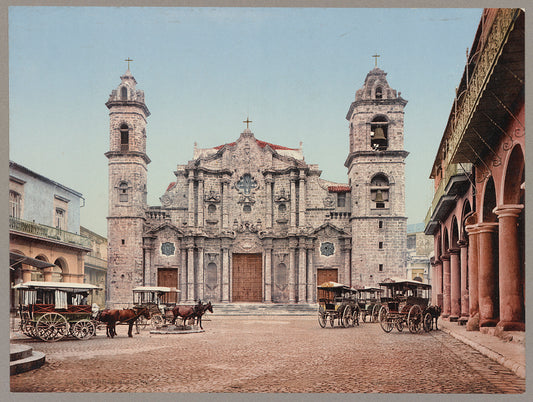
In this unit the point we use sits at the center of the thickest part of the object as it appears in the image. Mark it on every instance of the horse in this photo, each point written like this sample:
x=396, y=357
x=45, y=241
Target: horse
x=435, y=312
x=129, y=316
x=185, y=312
x=202, y=308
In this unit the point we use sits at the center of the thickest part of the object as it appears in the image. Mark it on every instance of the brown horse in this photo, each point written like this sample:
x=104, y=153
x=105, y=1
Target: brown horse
x=129, y=316
x=185, y=312
x=202, y=308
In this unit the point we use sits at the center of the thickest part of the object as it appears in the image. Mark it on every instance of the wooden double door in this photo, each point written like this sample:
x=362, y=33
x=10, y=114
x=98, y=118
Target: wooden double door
x=247, y=278
x=168, y=277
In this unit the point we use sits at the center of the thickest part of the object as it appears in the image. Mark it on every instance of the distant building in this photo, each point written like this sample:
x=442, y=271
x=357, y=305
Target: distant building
x=251, y=221
x=44, y=229
x=96, y=264
x=419, y=252
x=477, y=213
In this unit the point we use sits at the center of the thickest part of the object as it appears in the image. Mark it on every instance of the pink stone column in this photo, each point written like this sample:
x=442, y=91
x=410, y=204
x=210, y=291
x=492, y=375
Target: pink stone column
x=473, y=286
x=446, y=294
x=510, y=270
x=488, y=274
x=455, y=285
x=438, y=283
x=463, y=245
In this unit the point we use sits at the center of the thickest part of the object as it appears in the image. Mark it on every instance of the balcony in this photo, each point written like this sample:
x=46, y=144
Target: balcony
x=454, y=183
x=48, y=232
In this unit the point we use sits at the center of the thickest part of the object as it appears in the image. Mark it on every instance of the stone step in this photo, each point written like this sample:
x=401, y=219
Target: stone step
x=23, y=358
x=264, y=309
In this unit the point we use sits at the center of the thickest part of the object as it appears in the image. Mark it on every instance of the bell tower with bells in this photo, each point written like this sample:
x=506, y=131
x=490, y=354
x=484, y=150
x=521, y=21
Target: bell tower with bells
x=127, y=162
x=376, y=173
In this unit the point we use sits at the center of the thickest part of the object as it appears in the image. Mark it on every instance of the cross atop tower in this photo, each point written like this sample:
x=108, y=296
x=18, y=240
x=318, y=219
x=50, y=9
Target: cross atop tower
x=128, y=60
x=247, y=121
x=376, y=58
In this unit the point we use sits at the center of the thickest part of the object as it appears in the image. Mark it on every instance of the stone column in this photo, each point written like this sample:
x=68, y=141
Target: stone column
x=439, y=297
x=488, y=274
x=302, y=198
x=446, y=295
x=292, y=270
x=182, y=295
x=311, y=276
x=473, y=286
x=268, y=270
x=47, y=274
x=225, y=272
x=200, y=271
x=191, y=200
x=269, y=212
x=201, y=199
x=455, y=285
x=190, y=272
x=302, y=272
x=510, y=269
x=225, y=202
x=346, y=249
x=26, y=272
x=293, y=203
x=463, y=246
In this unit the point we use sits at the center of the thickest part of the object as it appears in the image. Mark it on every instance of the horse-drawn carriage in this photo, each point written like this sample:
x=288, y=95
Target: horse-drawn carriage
x=405, y=303
x=52, y=310
x=155, y=299
x=369, y=303
x=337, y=302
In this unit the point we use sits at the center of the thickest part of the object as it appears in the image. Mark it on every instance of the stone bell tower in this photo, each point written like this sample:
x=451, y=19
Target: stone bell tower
x=376, y=172
x=127, y=161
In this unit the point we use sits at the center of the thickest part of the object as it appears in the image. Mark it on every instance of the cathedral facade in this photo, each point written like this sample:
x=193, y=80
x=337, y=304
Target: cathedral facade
x=251, y=221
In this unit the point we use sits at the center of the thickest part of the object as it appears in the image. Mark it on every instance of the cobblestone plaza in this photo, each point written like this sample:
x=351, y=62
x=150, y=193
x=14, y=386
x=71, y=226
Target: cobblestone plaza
x=275, y=354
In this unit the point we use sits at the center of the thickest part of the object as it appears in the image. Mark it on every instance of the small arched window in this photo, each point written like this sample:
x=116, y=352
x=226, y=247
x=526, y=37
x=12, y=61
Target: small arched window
x=379, y=133
x=124, y=93
x=379, y=93
x=123, y=192
x=124, y=138
x=379, y=191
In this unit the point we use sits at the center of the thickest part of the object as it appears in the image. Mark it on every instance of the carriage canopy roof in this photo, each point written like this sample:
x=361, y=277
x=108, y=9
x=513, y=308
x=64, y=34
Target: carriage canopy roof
x=66, y=286
x=162, y=289
x=370, y=289
x=335, y=286
x=397, y=282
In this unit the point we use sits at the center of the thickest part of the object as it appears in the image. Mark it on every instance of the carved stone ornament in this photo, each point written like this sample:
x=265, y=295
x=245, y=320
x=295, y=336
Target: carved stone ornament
x=327, y=248
x=212, y=196
x=329, y=201
x=282, y=196
x=168, y=248
x=165, y=200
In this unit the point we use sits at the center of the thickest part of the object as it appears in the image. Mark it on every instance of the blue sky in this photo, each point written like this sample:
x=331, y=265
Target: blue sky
x=293, y=71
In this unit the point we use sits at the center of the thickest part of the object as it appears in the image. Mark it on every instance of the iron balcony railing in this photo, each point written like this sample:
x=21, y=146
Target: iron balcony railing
x=453, y=169
x=48, y=232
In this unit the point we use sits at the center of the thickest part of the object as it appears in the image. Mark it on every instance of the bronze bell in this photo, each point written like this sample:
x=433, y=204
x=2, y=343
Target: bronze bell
x=379, y=196
x=379, y=134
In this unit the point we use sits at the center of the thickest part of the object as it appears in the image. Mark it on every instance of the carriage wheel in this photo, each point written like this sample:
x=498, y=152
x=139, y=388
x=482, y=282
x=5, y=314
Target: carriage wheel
x=375, y=313
x=355, y=316
x=414, y=319
x=28, y=329
x=140, y=324
x=428, y=320
x=83, y=329
x=156, y=321
x=347, y=317
x=385, y=320
x=399, y=325
x=52, y=327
